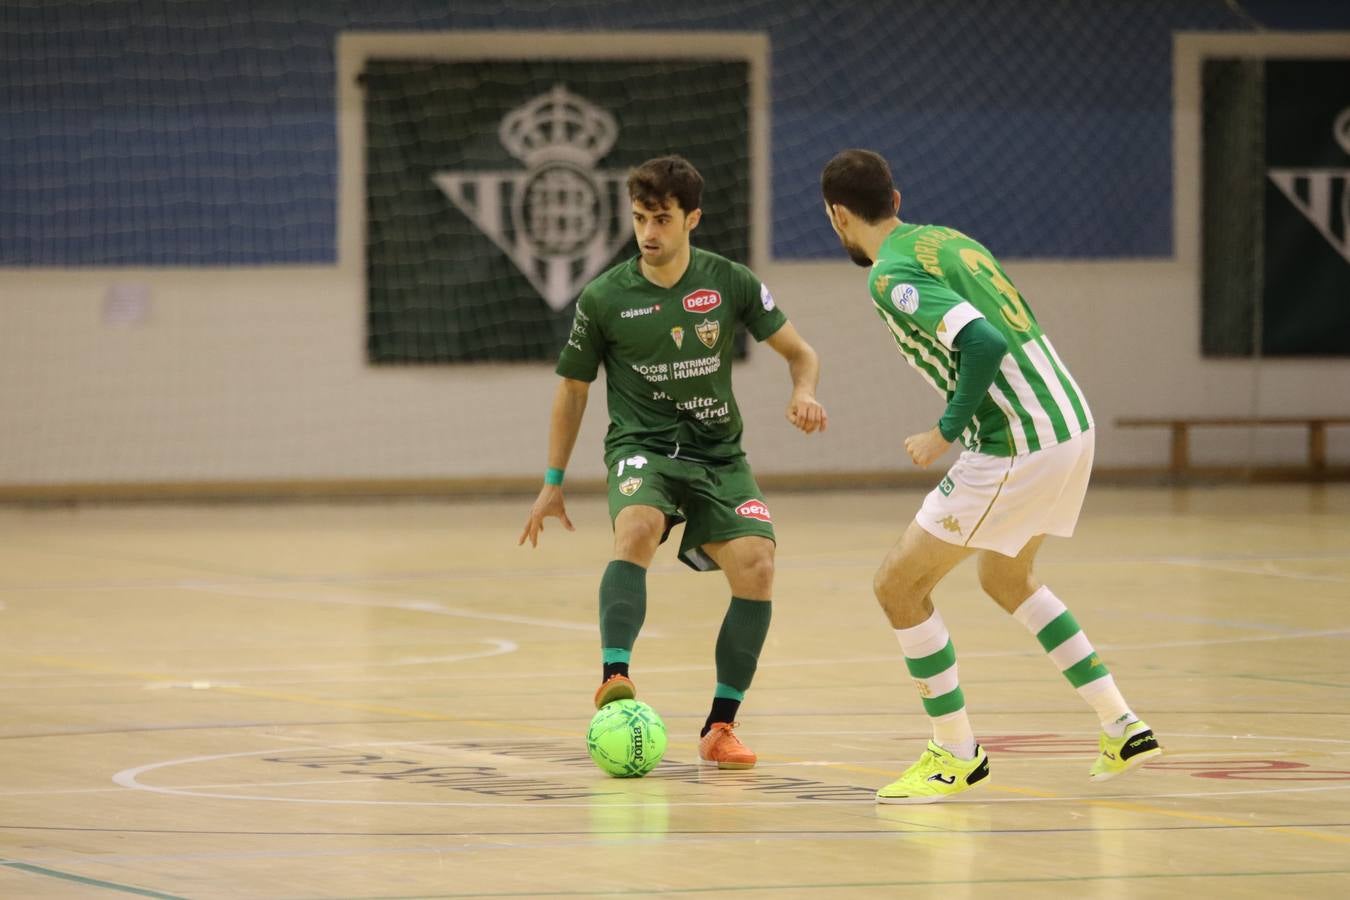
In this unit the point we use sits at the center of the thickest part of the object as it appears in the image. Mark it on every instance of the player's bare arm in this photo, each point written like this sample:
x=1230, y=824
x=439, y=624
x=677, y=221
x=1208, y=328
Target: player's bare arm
x=569, y=406
x=803, y=410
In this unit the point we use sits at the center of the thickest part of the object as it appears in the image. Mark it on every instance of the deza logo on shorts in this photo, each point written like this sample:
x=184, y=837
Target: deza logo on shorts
x=702, y=301
x=754, y=509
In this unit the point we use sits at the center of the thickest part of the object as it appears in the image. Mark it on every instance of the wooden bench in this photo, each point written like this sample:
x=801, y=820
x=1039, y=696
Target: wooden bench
x=1181, y=446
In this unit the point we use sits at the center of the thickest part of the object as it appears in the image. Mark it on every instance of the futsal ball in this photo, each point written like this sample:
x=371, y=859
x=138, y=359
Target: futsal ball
x=626, y=738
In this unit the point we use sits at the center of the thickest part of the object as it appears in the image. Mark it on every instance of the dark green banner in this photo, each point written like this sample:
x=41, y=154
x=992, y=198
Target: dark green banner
x=1276, y=266
x=1306, y=302
x=495, y=191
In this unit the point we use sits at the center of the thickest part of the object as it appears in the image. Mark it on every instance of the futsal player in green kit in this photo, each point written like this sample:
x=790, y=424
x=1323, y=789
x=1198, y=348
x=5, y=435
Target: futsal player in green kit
x=661, y=324
x=1027, y=432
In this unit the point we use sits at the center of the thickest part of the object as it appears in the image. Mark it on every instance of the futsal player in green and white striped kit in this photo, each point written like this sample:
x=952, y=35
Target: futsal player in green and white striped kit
x=1027, y=433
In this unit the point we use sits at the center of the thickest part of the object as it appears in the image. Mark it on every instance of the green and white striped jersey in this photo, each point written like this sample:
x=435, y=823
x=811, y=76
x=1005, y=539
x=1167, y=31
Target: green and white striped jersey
x=928, y=283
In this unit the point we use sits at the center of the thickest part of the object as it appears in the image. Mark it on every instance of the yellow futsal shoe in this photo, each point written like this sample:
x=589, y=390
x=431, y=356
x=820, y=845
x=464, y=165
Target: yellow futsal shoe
x=1116, y=756
x=936, y=776
x=616, y=687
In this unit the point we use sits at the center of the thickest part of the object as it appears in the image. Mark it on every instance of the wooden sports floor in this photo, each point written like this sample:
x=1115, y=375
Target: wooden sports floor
x=381, y=700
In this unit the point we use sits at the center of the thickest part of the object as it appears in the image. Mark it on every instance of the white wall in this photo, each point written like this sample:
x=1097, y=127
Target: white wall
x=248, y=375
x=260, y=375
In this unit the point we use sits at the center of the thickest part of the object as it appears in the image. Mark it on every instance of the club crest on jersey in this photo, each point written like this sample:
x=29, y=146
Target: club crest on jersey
x=754, y=509
x=677, y=335
x=703, y=301
x=906, y=298
x=708, y=331
x=765, y=298
x=628, y=487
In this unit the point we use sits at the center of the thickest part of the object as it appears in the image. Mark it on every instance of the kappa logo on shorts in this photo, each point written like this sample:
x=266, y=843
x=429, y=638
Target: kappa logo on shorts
x=754, y=509
x=702, y=301
x=951, y=524
x=628, y=487
x=946, y=486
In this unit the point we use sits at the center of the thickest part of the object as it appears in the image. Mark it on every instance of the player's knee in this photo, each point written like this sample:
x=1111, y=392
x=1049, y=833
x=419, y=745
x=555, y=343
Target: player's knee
x=893, y=585
x=1007, y=586
x=637, y=541
x=756, y=574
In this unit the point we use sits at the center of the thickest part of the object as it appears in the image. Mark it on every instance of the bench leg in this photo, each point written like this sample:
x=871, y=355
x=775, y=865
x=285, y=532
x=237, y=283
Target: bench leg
x=1317, y=446
x=1181, y=449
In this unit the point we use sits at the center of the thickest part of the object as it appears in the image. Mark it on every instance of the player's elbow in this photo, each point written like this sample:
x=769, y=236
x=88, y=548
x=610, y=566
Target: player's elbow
x=983, y=338
x=802, y=354
x=997, y=342
x=573, y=387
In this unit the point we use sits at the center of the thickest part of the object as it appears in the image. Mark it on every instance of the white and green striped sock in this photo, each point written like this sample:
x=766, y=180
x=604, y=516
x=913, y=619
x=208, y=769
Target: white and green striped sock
x=931, y=661
x=1055, y=627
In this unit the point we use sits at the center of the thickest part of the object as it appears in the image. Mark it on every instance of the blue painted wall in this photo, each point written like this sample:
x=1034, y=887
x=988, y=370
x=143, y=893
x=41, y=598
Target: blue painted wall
x=183, y=132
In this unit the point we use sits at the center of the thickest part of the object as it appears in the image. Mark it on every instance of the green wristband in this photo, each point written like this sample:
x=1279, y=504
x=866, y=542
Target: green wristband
x=553, y=476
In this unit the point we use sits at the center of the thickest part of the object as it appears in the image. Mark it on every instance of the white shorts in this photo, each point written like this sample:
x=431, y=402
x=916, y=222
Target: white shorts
x=1000, y=502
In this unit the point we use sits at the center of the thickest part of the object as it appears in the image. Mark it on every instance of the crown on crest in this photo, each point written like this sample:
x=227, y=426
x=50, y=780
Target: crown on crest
x=558, y=125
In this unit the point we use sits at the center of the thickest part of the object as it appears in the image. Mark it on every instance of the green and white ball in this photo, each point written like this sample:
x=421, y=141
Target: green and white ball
x=626, y=738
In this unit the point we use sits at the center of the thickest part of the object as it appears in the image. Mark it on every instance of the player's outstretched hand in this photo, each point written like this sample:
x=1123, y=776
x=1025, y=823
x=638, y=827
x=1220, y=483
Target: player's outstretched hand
x=925, y=448
x=806, y=413
x=548, y=503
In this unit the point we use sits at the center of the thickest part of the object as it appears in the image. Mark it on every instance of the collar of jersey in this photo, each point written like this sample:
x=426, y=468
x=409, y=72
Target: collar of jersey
x=904, y=229
x=635, y=269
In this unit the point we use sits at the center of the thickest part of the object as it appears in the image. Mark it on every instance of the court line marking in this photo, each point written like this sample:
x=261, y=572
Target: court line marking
x=923, y=829
x=500, y=647
x=796, y=562
x=306, y=699
x=839, y=885
x=497, y=841
x=1126, y=803
x=130, y=779
x=1022, y=759
x=238, y=784
x=81, y=879
x=425, y=605
x=1266, y=572
x=703, y=667
x=130, y=775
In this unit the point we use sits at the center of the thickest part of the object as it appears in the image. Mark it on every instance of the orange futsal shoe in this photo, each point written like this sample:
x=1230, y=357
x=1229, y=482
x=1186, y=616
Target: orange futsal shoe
x=616, y=687
x=721, y=748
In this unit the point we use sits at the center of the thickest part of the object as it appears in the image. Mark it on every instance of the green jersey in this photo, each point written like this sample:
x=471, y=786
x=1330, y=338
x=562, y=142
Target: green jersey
x=667, y=354
x=929, y=282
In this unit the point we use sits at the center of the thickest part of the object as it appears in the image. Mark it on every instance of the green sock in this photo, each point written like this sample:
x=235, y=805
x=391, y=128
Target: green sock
x=623, y=607
x=740, y=640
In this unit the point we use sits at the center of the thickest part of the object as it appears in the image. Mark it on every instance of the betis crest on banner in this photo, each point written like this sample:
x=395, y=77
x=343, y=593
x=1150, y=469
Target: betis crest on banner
x=495, y=189
x=560, y=219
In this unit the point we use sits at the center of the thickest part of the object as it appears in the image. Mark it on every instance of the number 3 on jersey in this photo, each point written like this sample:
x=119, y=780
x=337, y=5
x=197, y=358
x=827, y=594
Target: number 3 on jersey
x=1013, y=309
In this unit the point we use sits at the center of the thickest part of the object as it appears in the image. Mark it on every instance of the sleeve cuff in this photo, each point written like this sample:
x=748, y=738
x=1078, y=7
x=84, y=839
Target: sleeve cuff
x=762, y=332
x=958, y=317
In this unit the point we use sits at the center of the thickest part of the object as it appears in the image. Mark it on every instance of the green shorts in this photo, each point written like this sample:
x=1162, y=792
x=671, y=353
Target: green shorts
x=717, y=502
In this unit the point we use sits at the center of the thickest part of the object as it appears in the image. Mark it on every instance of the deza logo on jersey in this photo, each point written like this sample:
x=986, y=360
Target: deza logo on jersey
x=754, y=509
x=702, y=301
